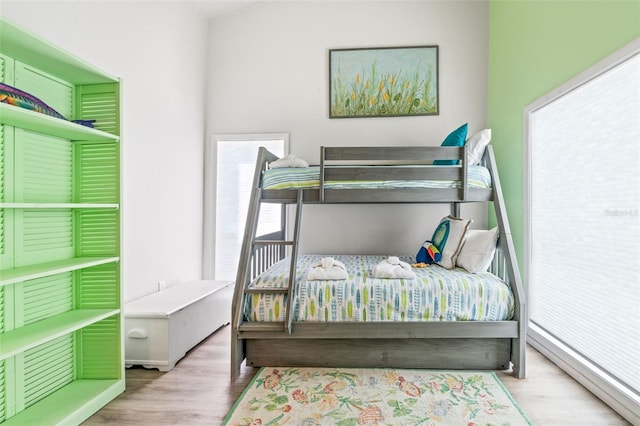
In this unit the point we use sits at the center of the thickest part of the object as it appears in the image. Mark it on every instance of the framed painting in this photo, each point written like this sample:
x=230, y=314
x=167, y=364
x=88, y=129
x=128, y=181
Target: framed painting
x=383, y=82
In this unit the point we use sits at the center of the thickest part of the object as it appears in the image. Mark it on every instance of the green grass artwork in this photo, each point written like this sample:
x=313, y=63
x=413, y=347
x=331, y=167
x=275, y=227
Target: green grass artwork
x=383, y=82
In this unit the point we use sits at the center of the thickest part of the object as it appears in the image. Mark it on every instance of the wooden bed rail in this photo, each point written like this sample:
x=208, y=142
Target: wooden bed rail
x=268, y=250
x=363, y=163
x=391, y=155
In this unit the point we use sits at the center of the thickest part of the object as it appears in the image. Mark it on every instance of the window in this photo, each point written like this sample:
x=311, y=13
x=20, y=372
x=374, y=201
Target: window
x=583, y=228
x=229, y=170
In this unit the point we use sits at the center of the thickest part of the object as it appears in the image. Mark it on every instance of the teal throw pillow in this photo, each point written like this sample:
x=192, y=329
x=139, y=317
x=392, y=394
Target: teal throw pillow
x=455, y=138
x=441, y=234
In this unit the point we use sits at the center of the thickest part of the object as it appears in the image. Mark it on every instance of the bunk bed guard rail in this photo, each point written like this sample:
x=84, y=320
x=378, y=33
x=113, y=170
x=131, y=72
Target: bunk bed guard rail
x=343, y=164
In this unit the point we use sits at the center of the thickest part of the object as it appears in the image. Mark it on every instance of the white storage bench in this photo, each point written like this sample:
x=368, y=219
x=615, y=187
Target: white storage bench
x=160, y=328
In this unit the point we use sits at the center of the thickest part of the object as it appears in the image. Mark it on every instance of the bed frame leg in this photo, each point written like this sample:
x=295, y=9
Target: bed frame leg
x=237, y=355
x=518, y=348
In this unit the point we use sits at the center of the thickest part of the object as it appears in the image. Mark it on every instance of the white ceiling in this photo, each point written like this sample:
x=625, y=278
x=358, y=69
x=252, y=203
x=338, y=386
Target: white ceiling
x=213, y=8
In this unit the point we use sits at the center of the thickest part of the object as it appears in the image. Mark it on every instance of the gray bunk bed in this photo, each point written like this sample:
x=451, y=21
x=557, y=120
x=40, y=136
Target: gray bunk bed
x=485, y=345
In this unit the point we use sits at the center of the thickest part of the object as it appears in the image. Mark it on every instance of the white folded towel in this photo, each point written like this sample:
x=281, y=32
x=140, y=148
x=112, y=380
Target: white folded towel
x=289, y=161
x=327, y=269
x=393, y=267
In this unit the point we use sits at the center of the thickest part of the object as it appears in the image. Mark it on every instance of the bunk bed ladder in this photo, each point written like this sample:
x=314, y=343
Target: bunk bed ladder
x=294, y=262
x=288, y=290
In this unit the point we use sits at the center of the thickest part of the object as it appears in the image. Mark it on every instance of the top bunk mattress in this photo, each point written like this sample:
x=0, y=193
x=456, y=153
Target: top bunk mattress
x=309, y=178
x=436, y=294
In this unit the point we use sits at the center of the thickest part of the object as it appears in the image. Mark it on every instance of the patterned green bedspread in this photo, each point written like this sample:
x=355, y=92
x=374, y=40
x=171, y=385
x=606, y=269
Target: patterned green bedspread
x=437, y=294
x=309, y=177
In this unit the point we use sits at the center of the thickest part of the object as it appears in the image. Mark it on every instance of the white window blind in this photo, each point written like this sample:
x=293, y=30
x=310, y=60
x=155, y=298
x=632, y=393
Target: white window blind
x=236, y=161
x=584, y=222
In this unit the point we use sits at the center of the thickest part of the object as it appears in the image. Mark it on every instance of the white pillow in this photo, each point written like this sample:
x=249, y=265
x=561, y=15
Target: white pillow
x=448, y=238
x=476, y=145
x=290, y=160
x=478, y=250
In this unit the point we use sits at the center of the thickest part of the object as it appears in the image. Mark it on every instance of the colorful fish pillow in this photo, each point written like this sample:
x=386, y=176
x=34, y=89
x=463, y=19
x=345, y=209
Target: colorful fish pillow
x=12, y=96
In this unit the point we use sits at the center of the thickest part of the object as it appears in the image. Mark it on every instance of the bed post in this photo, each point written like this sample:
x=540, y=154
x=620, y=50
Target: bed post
x=455, y=209
x=518, y=345
x=455, y=206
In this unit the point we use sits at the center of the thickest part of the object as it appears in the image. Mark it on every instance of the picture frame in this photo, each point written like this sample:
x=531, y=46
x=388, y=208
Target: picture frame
x=383, y=82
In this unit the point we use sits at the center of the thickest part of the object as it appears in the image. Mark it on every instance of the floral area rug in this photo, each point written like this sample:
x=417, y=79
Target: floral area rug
x=366, y=396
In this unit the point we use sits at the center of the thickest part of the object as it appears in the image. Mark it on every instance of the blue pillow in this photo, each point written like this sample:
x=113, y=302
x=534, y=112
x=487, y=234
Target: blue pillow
x=455, y=138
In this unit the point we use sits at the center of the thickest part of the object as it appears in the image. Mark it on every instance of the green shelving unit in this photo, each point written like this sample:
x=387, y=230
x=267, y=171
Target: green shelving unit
x=61, y=344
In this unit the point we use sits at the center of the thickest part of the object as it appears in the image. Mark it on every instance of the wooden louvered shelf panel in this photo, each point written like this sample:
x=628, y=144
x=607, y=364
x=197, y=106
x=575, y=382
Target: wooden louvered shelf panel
x=61, y=345
x=32, y=335
x=25, y=273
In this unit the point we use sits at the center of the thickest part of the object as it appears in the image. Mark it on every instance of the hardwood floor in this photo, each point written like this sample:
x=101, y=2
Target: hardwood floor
x=198, y=392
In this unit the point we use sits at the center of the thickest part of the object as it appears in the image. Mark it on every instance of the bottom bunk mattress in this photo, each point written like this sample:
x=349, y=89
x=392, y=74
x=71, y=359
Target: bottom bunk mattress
x=436, y=294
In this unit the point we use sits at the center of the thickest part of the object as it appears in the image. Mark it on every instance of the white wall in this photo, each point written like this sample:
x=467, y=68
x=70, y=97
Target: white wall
x=269, y=73
x=158, y=49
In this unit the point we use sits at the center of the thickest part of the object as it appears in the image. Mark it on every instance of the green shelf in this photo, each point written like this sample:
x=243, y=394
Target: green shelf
x=60, y=237
x=27, y=47
x=37, y=333
x=58, y=206
x=24, y=273
x=37, y=122
x=72, y=404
